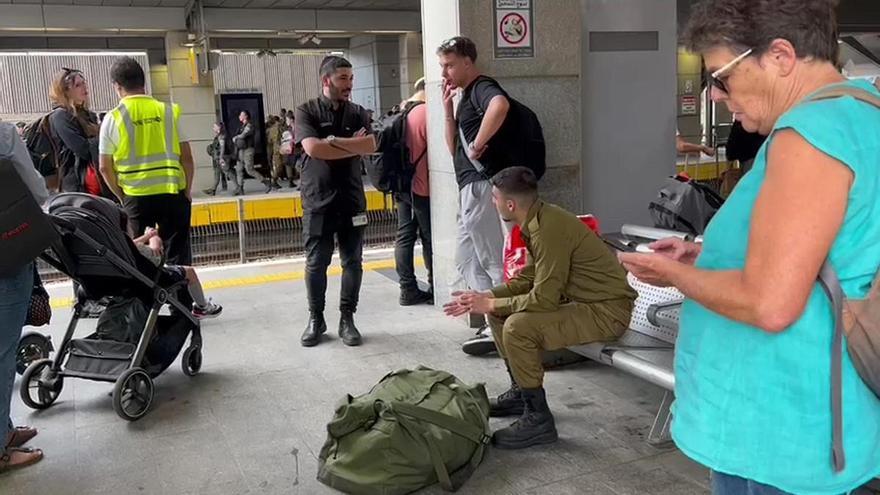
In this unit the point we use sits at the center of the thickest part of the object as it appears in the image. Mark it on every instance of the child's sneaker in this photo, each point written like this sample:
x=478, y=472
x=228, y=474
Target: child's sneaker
x=210, y=311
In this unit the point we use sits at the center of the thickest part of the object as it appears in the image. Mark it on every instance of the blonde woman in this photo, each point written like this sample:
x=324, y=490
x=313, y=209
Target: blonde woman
x=75, y=130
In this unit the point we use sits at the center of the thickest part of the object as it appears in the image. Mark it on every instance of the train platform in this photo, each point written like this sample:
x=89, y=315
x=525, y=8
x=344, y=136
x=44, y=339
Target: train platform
x=253, y=421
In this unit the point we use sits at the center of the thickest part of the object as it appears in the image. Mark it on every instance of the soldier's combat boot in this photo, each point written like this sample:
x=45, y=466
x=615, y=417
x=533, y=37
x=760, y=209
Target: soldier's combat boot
x=509, y=403
x=534, y=427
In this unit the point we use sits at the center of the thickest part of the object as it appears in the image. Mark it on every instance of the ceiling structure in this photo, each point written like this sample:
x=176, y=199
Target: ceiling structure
x=399, y=5
x=248, y=18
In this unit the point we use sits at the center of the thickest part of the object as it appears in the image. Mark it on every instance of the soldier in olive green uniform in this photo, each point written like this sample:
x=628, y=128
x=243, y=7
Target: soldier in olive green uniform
x=273, y=138
x=572, y=291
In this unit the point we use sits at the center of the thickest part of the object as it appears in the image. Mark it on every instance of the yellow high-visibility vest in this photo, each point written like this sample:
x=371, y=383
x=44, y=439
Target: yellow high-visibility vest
x=147, y=157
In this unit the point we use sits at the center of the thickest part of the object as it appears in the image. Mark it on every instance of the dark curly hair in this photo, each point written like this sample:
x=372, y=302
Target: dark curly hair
x=809, y=25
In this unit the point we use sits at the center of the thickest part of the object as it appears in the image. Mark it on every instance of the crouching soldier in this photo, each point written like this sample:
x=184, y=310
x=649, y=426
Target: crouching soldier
x=572, y=291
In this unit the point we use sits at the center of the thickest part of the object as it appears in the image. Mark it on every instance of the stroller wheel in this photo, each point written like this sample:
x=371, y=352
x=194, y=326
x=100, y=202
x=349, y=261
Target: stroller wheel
x=31, y=347
x=133, y=394
x=191, y=362
x=40, y=386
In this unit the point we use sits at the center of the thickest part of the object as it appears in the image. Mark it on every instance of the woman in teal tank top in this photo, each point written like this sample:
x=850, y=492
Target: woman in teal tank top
x=753, y=357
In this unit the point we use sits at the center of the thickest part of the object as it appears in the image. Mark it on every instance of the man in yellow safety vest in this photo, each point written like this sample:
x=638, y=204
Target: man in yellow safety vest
x=147, y=163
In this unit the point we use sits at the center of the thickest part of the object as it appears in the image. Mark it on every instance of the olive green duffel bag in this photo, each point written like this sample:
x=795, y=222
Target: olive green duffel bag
x=413, y=429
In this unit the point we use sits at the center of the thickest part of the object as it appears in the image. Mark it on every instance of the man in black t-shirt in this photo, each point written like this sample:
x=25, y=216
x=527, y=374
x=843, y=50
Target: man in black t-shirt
x=334, y=134
x=479, y=137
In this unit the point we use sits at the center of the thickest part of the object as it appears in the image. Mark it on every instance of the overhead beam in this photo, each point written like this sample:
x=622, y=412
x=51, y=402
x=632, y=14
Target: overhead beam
x=269, y=20
x=229, y=43
x=86, y=43
x=48, y=18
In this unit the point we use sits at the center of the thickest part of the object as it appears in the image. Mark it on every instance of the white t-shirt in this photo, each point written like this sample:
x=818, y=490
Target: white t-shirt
x=108, y=139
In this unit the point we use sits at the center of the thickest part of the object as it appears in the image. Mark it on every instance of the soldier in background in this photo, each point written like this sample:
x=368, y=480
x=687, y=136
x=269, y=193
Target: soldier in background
x=273, y=147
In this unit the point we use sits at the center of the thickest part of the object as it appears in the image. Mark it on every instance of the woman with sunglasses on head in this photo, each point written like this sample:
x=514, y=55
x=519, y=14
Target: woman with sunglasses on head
x=75, y=129
x=753, y=367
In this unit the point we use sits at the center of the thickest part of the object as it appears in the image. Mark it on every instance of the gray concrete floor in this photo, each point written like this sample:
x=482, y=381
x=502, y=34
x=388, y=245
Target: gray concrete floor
x=254, y=420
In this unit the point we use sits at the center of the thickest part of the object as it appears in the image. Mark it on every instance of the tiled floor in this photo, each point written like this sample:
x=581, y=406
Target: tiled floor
x=253, y=421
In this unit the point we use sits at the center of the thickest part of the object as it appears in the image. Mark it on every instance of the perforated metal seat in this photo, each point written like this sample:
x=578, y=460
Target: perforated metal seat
x=647, y=349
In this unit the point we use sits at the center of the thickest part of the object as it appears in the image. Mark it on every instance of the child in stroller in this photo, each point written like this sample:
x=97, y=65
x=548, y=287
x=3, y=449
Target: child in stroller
x=150, y=246
x=133, y=343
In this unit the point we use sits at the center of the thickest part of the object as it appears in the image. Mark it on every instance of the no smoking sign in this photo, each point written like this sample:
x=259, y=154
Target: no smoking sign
x=513, y=29
x=514, y=34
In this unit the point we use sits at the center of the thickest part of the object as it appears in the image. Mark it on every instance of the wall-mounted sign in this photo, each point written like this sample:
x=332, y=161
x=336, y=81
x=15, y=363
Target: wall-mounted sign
x=688, y=105
x=514, y=29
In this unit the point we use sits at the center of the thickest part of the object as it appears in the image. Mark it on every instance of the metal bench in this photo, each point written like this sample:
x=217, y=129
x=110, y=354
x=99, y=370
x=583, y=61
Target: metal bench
x=647, y=348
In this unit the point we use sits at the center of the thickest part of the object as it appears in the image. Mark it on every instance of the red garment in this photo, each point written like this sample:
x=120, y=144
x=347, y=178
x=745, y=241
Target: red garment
x=92, y=182
x=516, y=254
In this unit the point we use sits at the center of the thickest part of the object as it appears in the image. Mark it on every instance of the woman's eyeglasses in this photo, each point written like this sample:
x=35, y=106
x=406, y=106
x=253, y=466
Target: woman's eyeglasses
x=719, y=77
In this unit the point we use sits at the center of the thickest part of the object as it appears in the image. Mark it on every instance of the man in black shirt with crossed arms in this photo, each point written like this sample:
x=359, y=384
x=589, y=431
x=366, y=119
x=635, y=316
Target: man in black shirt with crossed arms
x=334, y=134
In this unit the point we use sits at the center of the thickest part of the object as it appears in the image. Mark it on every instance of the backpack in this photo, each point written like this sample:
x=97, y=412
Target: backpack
x=684, y=205
x=41, y=145
x=413, y=429
x=25, y=231
x=525, y=131
x=392, y=171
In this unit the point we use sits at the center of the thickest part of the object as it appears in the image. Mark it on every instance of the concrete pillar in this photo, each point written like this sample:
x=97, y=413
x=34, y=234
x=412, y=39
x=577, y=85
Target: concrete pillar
x=159, y=74
x=628, y=88
x=411, y=62
x=387, y=49
x=376, y=66
x=547, y=83
x=440, y=20
x=364, y=67
x=159, y=79
x=197, y=105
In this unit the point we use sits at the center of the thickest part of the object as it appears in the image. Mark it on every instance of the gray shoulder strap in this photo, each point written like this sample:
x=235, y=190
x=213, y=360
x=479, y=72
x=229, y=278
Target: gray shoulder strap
x=838, y=91
x=831, y=285
x=465, y=144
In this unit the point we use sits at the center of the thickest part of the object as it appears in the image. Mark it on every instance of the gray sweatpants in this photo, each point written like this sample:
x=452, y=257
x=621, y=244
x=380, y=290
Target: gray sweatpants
x=480, y=240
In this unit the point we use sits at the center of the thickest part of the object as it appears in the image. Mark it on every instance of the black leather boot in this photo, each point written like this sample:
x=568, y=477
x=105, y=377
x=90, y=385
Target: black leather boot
x=510, y=403
x=534, y=427
x=413, y=296
x=347, y=331
x=314, y=330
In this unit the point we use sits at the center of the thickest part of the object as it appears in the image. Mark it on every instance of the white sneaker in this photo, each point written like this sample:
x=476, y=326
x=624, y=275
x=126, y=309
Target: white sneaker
x=211, y=310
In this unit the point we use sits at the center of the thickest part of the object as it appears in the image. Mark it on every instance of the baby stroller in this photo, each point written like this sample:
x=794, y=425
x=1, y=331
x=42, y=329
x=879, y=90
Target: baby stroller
x=95, y=251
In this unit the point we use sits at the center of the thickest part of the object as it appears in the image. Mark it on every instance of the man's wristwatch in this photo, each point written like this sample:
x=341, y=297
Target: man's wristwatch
x=331, y=138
